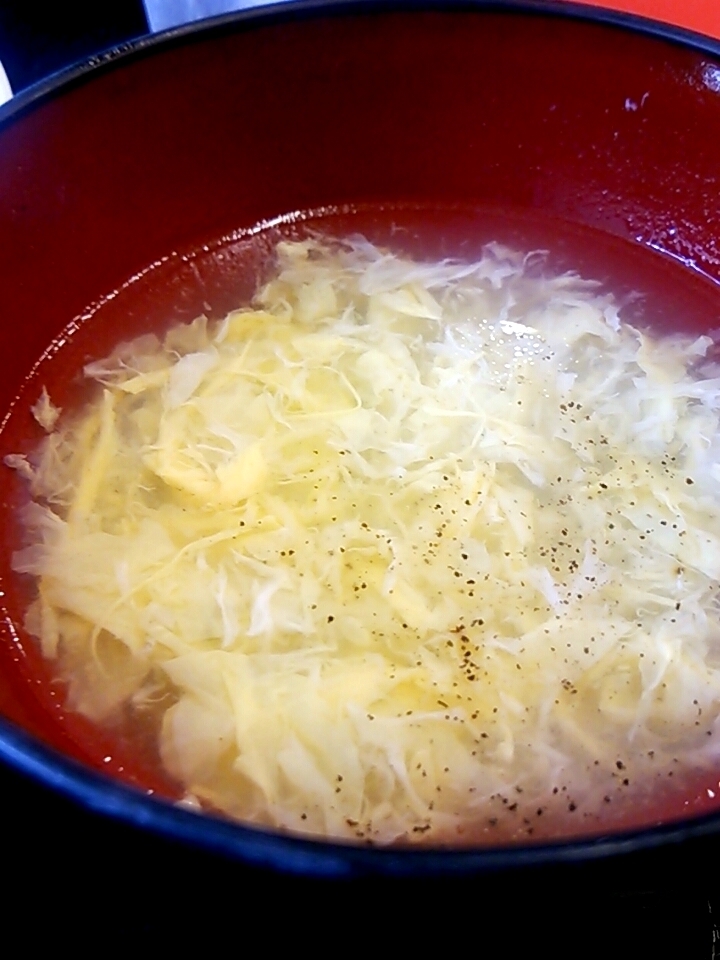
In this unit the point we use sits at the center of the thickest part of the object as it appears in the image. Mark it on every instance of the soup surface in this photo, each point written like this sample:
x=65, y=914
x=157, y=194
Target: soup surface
x=407, y=550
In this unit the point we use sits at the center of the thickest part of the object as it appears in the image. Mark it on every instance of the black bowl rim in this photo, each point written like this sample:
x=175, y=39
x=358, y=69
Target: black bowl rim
x=292, y=10
x=307, y=856
x=292, y=854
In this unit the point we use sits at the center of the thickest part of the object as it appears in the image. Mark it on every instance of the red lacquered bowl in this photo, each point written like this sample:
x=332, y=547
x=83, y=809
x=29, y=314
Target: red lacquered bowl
x=132, y=190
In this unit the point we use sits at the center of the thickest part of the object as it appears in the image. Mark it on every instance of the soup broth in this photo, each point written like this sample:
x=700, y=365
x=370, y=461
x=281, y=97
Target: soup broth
x=419, y=551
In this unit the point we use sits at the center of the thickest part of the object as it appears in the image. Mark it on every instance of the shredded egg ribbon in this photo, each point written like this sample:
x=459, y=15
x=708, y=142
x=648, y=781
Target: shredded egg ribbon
x=405, y=549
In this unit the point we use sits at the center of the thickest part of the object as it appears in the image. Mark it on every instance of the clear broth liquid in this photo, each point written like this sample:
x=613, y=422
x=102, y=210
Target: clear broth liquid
x=656, y=291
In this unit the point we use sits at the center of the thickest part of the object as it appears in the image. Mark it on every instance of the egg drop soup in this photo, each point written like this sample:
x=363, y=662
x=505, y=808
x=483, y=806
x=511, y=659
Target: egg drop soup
x=401, y=549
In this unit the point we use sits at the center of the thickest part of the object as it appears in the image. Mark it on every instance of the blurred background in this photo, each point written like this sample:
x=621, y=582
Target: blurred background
x=701, y=15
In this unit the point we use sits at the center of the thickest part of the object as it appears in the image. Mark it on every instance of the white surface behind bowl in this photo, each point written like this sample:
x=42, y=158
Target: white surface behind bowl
x=163, y=14
x=5, y=91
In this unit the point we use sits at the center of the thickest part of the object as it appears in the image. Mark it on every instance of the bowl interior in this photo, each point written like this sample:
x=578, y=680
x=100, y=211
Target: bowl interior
x=132, y=197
